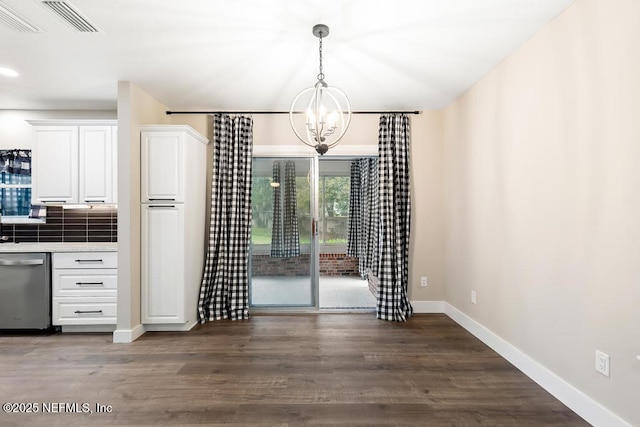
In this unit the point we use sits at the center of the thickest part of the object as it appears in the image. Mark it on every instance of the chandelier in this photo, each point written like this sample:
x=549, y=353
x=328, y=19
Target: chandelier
x=326, y=109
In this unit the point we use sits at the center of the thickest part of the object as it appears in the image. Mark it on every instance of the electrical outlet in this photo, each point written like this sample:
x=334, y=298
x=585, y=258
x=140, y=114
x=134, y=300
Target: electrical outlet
x=602, y=363
x=423, y=281
x=473, y=297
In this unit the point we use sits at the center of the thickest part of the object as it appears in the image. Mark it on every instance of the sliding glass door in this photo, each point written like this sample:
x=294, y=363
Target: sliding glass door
x=283, y=256
x=300, y=214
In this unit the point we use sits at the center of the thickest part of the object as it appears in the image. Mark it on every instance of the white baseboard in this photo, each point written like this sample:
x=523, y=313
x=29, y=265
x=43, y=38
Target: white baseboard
x=127, y=335
x=592, y=411
x=88, y=328
x=177, y=327
x=427, y=306
x=130, y=335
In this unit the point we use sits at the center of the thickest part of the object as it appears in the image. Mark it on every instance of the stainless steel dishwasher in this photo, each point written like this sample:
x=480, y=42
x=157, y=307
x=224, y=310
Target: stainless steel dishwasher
x=25, y=290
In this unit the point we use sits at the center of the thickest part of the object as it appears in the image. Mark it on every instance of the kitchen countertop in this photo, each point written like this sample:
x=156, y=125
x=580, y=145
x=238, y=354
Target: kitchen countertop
x=58, y=247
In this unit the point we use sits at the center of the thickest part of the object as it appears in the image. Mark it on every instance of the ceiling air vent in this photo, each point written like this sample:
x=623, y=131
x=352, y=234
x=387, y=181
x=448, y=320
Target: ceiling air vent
x=70, y=15
x=15, y=21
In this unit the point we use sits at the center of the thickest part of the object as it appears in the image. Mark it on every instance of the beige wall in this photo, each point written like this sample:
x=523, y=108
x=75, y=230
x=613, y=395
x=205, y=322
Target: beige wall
x=275, y=129
x=426, y=253
x=199, y=122
x=135, y=108
x=542, y=200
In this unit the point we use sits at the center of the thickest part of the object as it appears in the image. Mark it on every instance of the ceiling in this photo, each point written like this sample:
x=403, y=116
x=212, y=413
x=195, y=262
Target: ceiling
x=257, y=54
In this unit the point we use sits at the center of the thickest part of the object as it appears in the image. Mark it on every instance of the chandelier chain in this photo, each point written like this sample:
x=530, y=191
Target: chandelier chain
x=320, y=74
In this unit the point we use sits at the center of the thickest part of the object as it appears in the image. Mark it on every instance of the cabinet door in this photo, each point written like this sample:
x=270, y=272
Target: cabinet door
x=55, y=165
x=162, y=167
x=96, y=164
x=114, y=163
x=163, y=287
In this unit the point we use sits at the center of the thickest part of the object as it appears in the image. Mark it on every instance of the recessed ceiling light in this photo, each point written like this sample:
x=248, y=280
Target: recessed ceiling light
x=8, y=72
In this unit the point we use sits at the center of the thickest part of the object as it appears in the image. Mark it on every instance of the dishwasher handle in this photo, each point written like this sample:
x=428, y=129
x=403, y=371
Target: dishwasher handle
x=18, y=262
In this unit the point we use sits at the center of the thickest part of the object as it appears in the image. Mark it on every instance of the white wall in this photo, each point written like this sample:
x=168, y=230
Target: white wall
x=542, y=200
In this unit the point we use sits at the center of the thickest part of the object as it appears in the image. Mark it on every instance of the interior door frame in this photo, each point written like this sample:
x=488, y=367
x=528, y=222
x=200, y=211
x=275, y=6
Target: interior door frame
x=300, y=151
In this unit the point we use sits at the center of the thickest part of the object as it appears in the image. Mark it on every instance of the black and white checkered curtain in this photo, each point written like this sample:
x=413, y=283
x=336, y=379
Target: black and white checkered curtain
x=395, y=217
x=364, y=226
x=224, y=293
x=285, y=234
x=276, y=223
x=356, y=200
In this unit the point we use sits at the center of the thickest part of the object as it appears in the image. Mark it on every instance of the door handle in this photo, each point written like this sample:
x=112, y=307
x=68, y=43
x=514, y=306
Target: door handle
x=7, y=262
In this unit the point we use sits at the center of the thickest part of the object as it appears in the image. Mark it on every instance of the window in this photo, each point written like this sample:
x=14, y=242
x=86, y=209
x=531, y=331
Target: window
x=333, y=199
x=333, y=209
x=262, y=210
x=15, y=183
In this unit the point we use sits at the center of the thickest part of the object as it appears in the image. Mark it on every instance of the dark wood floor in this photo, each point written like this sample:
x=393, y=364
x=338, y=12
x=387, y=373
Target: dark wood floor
x=276, y=370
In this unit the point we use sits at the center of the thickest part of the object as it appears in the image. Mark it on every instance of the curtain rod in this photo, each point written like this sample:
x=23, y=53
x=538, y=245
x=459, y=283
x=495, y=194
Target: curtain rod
x=283, y=112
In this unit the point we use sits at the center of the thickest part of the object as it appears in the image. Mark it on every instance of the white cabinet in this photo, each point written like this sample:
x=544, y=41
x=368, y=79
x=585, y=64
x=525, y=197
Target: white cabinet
x=55, y=165
x=162, y=255
x=173, y=192
x=84, y=288
x=74, y=163
x=95, y=159
x=163, y=167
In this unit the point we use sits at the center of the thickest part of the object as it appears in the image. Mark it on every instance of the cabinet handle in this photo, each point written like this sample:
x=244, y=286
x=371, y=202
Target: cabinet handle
x=88, y=260
x=4, y=262
x=88, y=312
x=162, y=200
x=90, y=283
x=93, y=201
x=53, y=201
x=162, y=206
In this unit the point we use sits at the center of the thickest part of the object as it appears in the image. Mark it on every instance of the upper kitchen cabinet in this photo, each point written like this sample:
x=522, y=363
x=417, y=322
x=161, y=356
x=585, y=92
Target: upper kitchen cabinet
x=54, y=172
x=74, y=163
x=96, y=171
x=162, y=155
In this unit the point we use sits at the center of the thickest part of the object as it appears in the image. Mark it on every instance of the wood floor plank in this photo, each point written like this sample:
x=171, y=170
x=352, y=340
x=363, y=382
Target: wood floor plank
x=276, y=370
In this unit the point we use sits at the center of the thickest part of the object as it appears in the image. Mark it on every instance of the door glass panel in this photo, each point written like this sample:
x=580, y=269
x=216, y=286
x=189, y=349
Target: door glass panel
x=281, y=241
x=340, y=285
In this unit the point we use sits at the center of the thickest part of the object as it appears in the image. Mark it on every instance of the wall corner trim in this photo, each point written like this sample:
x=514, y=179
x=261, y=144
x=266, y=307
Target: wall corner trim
x=122, y=336
x=592, y=411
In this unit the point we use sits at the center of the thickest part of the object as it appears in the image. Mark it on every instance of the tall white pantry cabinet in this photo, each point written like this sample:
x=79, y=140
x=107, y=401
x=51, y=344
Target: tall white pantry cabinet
x=173, y=197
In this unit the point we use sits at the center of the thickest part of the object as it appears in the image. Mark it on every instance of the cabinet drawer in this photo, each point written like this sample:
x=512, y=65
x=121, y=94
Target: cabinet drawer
x=85, y=260
x=80, y=282
x=91, y=311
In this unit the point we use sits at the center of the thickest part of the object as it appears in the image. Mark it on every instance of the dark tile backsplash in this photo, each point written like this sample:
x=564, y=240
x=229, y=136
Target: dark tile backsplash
x=68, y=225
